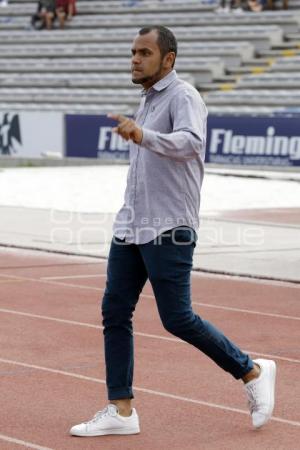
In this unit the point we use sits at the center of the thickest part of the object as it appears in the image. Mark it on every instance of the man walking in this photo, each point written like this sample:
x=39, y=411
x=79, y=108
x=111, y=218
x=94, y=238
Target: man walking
x=155, y=236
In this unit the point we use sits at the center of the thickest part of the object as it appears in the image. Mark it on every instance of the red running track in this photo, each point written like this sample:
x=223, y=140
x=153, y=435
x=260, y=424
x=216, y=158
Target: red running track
x=52, y=362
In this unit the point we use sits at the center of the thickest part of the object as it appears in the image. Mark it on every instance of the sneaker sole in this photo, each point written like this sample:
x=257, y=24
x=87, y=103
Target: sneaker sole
x=106, y=432
x=272, y=370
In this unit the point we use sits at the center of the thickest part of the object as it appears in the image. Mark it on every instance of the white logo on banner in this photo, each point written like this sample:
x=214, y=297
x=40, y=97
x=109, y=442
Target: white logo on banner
x=10, y=134
x=225, y=142
x=31, y=134
x=109, y=141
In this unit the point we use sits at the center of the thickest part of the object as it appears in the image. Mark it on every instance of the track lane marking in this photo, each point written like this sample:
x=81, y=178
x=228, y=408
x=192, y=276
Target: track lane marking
x=207, y=305
x=100, y=275
x=24, y=443
x=247, y=311
x=136, y=333
x=12, y=281
x=144, y=390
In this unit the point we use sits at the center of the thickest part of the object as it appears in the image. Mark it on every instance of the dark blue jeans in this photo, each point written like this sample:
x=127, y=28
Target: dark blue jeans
x=167, y=262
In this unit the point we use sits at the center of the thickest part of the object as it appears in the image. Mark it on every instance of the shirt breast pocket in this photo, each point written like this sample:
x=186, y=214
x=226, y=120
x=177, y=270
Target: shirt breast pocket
x=158, y=119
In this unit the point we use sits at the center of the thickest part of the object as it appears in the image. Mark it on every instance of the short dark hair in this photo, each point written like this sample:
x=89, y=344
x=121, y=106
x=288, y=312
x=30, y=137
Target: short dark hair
x=166, y=40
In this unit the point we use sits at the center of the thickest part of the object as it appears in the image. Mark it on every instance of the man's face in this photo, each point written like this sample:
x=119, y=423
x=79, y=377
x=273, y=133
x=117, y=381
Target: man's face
x=147, y=64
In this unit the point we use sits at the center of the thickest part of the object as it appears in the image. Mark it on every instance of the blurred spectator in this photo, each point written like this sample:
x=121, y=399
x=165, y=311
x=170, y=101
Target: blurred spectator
x=260, y=5
x=254, y=5
x=238, y=6
x=44, y=15
x=272, y=4
x=4, y=3
x=65, y=10
x=231, y=5
x=37, y=21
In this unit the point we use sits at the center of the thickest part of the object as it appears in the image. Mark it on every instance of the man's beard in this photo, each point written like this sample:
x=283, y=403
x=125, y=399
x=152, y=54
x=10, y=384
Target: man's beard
x=154, y=78
x=141, y=80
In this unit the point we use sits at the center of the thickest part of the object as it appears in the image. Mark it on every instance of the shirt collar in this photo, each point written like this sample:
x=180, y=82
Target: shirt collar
x=163, y=83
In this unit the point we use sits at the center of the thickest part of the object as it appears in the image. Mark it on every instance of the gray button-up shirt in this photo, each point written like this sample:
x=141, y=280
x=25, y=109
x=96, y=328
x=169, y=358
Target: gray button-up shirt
x=166, y=169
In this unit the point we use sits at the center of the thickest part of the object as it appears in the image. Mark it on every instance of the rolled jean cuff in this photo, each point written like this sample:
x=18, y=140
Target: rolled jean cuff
x=119, y=393
x=242, y=372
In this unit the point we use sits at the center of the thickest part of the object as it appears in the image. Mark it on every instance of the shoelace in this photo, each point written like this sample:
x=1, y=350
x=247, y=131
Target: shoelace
x=99, y=414
x=252, y=398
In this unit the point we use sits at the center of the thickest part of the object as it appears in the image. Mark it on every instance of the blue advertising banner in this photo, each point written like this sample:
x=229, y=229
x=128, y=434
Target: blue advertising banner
x=247, y=140
x=241, y=140
x=90, y=136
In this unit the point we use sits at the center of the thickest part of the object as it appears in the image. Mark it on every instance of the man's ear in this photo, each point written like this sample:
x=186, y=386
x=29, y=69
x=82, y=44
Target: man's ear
x=169, y=60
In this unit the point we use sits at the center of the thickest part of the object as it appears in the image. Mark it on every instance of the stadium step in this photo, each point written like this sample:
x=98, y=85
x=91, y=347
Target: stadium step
x=293, y=37
x=279, y=53
x=247, y=69
x=261, y=62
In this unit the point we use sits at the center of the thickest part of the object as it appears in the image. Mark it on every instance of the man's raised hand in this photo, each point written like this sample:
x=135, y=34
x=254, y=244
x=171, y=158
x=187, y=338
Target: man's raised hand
x=127, y=128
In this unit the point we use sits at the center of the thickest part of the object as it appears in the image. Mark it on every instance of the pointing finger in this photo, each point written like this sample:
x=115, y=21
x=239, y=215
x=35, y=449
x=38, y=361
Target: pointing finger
x=118, y=117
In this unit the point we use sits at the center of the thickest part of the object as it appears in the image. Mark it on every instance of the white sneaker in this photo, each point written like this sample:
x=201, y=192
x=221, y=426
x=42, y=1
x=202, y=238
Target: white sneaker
x=224, y=10
x=108, y=421
x=237, y=11
x=261, y=393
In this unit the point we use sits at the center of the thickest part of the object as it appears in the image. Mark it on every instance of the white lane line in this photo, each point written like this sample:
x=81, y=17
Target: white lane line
x=146, y=391
x=24, y=443
x=16, y=280
x=227, y=308
x=52, y=319
x=66, y=277
x=56, y=283
x=136, y=333
x=247, y=311
x=222, y=307
x=269, y=356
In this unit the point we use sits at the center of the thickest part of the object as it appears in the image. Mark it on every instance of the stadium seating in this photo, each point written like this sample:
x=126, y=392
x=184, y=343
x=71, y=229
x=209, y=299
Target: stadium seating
x=249, y=97
x=291, y=64
x=235, y=60
x=262, y=37
x=270, y=81
x=286, y=20
x=203, y=69
x=78, y=108
x=51, y=79
x=233, y=53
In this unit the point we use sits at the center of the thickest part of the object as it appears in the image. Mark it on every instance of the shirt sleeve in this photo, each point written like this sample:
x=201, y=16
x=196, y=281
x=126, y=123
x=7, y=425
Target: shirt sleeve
x=187, y=140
